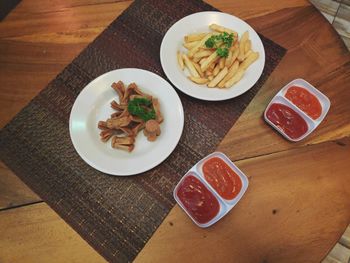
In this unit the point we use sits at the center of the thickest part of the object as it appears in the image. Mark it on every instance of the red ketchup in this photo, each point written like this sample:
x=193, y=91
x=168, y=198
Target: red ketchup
x=222, y=178
x=305, y=101
x=198, y=201
x=285, y=118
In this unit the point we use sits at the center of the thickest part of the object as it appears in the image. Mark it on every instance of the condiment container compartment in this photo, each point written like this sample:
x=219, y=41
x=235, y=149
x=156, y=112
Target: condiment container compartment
x=281, y=98
x=225, y=205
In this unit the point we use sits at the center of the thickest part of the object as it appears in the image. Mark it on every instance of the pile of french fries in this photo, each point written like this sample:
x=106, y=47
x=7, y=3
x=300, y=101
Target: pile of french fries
x=207, y=67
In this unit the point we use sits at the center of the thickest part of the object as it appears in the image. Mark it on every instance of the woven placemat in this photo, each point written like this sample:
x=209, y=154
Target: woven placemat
x=116, y=215
x=6, y=7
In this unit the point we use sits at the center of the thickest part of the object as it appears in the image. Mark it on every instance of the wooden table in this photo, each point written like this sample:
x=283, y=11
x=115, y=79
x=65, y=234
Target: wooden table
x=297, y=205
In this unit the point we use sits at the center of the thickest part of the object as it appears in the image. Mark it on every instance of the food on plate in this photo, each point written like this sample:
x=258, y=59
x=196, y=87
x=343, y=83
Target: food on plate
x=152, y=130
x=287, y=120
x=305, y=101
x=218, y=58
x=135, y=111
x=180, y=60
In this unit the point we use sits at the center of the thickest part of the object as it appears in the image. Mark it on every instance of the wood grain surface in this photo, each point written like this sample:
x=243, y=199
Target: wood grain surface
x=13, y=192
x=36, y=233
x=276, y=219
x=306, y=207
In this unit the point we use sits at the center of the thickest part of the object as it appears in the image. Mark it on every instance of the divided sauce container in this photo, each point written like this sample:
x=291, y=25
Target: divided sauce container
x=210, y=189
x=296, y=110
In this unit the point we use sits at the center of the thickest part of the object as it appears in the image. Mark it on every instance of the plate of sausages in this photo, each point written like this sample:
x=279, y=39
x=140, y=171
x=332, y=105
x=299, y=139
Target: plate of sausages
x=122, y=123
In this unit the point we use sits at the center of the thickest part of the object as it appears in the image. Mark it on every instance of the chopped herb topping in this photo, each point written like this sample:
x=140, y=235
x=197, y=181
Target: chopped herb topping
x=142, y=108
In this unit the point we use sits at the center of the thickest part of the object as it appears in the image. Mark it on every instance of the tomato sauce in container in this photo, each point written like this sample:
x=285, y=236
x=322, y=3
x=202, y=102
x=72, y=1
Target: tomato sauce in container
x=297, y=109
x=286, y=119
x=222, y=178
x=210, y=189
x=305, y=101
x=198, y=201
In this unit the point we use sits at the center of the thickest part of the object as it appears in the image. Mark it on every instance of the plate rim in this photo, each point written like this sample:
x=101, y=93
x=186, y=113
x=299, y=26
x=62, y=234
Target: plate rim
x=153, y=164
x=206, y=98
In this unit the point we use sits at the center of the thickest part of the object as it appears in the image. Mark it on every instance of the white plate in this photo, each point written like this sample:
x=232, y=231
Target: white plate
x=199, y=22
x=93, y=105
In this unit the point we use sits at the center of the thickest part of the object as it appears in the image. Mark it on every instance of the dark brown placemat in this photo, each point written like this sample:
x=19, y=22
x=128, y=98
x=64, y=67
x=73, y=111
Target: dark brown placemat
x=6, y=6
x=116, y=215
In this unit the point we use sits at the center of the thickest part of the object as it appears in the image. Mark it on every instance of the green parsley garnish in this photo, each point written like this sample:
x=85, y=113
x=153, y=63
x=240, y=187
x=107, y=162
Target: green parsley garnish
x=142, y=108
x=210, y=42
x=216, y=41
x=222, y=52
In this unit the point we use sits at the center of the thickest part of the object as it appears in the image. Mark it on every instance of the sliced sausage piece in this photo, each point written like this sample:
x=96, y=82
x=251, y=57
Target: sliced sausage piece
x=136, y=119
x=128, y=131
x=152, y=138
x=116, y=114
x=118, y=122
x=139, y=92
x=123, y=140
x=125, y=113
x=156, y=107
x=129, y=90
x=105, y=135
x=116, y=106
x=138, y=97
x=138, y=127
x=102, y=125
x=119, y=88
x=128, y=148
x=152, y=127
x=152, y=130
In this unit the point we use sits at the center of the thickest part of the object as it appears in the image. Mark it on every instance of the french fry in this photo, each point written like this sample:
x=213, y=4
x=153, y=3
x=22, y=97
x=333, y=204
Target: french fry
x=210, y=77
x=218, y=78
x=196, y=47
x=206, y=48
x=249, y=60
x=216, y=69
x=194, y=37
x=248, y=53
x=234, y=46
x=240, y=56
x=212, y=66
x=247, y=46
x=222, y=29
x=244, y=37
x=231, y=72
x=190, y=66
x=209, y=72
x=209, y=61
x=228, y=60
x=198, y=68
x=237, y=77
x=202, y=61
x=196, y=60
x=180, y=60
x=235, y=54
x=190, y=45
x=199, y=80
x=242, y=42
x=222, y=62
x=203, y=53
